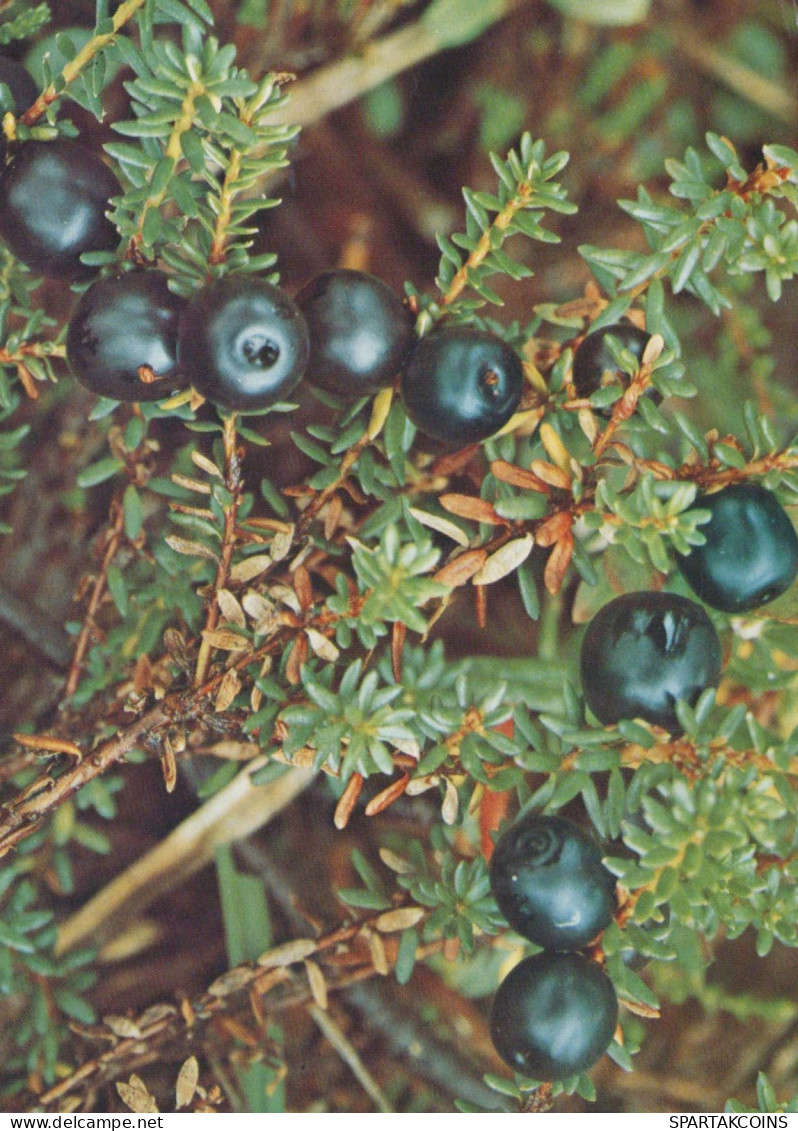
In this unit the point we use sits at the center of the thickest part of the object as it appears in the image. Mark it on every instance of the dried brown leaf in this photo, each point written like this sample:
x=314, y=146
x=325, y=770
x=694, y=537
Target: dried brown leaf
x=551, y=474
x=557, y=565
x=230, y=982
x=281, y=544
x=420, y=785
x=555, y=448
x=505, y=560
x=191, y=484
x=462, y=568
x=588, y=424
x=190, y=549
x=332, y=516
x=175, y=644
x=121, y=1026
x=228, y=689
x=399, y=920
x=186, y=1084
x=250, y=568
x=288, y=953
x=227, y=641
x=451, y=804
x=168, y=765
x=379, y=958
x=297, y=657
x=317, y=983
x=286, y=596
x=387, y=796
x=472, y=507
x=347, y=801
x=654, y=347
x=230, y=608
x=518, y=476
x=322, y=646
x=442, y=525
x=206, y=465
x=135, y=1095
x=395, y=862
x=553, y=528
x=640, y=1008
x=262, y=611
x=398, y=635
x=303, y=587
x=455, y=461
x=156, y=1013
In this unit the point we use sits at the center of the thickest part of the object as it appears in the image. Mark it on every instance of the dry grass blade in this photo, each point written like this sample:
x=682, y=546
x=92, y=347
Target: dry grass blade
x=350, y=1056
x=235, y=812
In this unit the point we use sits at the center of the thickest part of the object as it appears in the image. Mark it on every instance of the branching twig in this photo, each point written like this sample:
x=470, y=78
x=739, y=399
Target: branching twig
x=345, y=958
x=72, y=69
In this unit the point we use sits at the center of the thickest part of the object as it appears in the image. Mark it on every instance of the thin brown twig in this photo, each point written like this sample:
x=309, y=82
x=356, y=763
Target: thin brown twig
x=349, y=460
x=72, y=69
x=501, y=223
x=345, y=963
x=114, y=536
x=23, y=814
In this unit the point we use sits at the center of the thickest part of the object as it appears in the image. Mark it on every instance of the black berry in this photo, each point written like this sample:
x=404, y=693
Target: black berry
x=53, y=200
x=21, y=85
x=751, y=552
x=360, y=333
x=122, y=329
x=461, y=385
x=553, y=1016
x=547, y=877
x=594, y=365
x=243, y=343
x=643, y=652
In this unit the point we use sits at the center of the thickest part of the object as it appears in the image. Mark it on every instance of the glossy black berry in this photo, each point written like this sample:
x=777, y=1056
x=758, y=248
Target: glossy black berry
x=594, y=365
x=21, y=85
x=360, y=333
x=461, y=385
x=547, y=877
x=644, y=651
x=53, y=200
x=751, y=552
x=243, y=343
x=121, y=324
x=554, y=1016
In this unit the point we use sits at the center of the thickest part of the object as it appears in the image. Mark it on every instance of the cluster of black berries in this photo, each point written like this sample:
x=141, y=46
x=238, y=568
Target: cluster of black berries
x=555, y=1013
x=244, y=345
x=644, y=652
x=242, y=342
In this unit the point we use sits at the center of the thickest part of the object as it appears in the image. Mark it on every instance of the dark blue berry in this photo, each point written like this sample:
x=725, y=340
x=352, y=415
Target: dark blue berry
x=547, y=877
